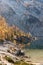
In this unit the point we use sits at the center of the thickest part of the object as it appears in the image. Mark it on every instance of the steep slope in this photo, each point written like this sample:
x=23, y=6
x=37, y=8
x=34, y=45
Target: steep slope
x=26, y=14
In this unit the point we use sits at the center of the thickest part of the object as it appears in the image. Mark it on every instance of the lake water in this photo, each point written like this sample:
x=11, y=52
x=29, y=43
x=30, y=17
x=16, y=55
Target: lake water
x=36, y=55
x=36, y=51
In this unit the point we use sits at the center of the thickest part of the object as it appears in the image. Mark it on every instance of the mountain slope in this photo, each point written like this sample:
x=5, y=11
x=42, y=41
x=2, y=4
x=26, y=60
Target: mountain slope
x=26, y=14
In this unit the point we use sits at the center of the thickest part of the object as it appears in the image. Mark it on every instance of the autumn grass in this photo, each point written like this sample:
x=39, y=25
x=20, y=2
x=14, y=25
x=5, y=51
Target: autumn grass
x=21, y=63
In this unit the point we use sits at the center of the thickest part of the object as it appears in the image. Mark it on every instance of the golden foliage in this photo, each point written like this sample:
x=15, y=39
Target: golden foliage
x=5, y=30
x=10, y=32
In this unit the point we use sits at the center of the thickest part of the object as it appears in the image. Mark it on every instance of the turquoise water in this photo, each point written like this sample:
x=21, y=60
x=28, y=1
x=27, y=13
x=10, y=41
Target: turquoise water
x=38, y=44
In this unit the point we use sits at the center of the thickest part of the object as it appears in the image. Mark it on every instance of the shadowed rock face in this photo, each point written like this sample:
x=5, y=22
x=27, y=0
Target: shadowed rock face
x=26, y=14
